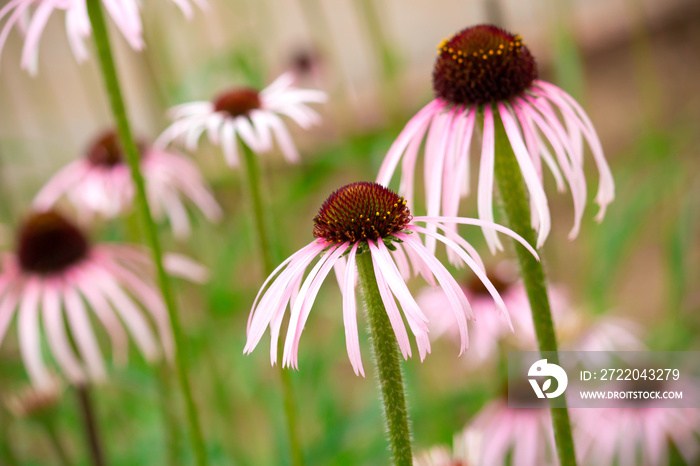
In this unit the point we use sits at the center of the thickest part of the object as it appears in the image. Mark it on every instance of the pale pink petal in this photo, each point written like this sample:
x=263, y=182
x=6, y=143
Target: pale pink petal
x=352, y=339
x=606, y=190
x=129, y=312
x=149, y=298
x=30, y=334
x=392, y=311
x=82, y=334
x=271, y=302
x=485, y=189
x=284, y=140
x=415, y=317
x=62, y=181
x=55, y=329
x=416, y=124
x=181, y=266
x=103, y=311
x=458, y=302
x=532, y=181
x=481, y=223
x=304, y=302
x=229, y=143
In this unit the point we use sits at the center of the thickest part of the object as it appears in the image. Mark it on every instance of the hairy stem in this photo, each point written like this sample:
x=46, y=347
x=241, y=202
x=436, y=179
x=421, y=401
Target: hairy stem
x=517, y=211
x=386, y=355
x=266, y=247
x=111, y=80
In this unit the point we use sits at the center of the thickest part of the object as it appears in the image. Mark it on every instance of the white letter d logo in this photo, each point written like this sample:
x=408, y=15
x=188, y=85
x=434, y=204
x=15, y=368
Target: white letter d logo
x=541, y=368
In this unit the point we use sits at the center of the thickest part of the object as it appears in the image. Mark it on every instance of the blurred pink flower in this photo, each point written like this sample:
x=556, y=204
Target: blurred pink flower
x=100, y=183
x=253, y=116
x=490, y=328
x=524, y=435
x=367, y=218
x=577, y=332
x=479, y=71
x=32, y=21
x=55, y=271
x=639, y=432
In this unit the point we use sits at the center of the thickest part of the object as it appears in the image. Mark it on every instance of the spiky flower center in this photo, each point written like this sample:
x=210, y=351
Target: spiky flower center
x=482, y=64
x=106, y=150
x=48, y=243
x=237, y=102
x=360, y=212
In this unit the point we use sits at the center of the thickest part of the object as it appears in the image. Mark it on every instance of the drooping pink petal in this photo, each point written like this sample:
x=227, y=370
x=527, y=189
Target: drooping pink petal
x=415, y=317
x=459, y=304
x=486, y=177
x=397, y=149
x=352, y=339
x=82, y=334
x=55, y=329
x=129, y=312
x=392, y=311
x=29, y=334
x=532, y=181
x=304, y=302
x=480, y=223
x=99, y=305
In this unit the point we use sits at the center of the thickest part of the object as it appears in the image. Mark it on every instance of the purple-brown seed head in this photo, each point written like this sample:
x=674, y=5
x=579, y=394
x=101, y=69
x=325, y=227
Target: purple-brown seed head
x=48, y=243
x=237, y=102
x=360, y=212
x=106, y=150
x=482, y=64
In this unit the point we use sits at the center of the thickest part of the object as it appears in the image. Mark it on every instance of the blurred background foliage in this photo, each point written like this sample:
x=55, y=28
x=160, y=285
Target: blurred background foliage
x=633, y=64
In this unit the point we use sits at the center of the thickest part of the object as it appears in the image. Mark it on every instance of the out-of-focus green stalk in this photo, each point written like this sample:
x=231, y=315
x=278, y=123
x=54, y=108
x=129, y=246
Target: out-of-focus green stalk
x=7, y=454
x=92, y=432
x=119, y=111
x=49, y=425
x=517, y=211
x=388, y=363
x=263, y=236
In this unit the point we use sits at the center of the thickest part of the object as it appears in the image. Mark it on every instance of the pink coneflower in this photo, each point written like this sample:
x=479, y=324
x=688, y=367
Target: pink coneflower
x=638, y=432
x=485, y=74
x=100, y=183
x=490, y=328
x=56, y=273
x=124, y=13
x=367, y=218
x=524, y=435
x=253, y=116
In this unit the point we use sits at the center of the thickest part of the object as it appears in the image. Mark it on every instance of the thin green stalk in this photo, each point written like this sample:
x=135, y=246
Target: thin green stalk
x=263, y=235
x=517, y=211
x=7, y=454
x=169, y=416
x=386, y=355
x=90, y=422
x=111, y=79
x=50, y=427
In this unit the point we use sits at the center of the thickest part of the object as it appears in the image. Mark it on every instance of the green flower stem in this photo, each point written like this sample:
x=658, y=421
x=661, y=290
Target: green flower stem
x=49, y=425
x=91, y=430
x=117, y=103
x=7, y=454
x=170, y=421
x=386, y=355
x=517, y=211
x=263, y=235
